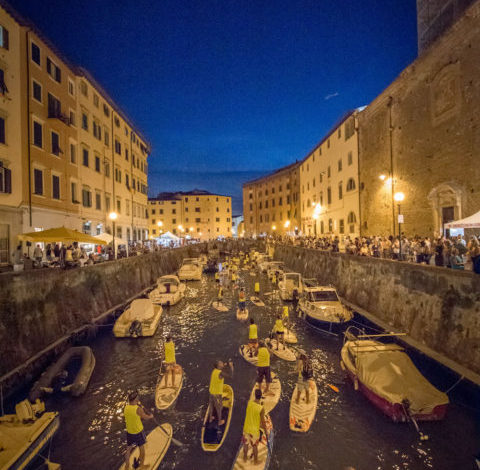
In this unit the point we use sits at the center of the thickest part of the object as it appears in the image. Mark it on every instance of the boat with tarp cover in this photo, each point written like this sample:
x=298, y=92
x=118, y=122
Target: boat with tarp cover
x=386, y=375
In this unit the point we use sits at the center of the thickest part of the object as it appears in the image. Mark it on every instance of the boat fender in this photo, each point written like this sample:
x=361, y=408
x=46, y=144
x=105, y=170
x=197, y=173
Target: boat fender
x=355, y=383
x=135, y=329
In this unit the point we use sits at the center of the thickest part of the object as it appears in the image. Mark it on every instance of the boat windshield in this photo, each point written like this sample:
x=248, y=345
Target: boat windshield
x=324, y=296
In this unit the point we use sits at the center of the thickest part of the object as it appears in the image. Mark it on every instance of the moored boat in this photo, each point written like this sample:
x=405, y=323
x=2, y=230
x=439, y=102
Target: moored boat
x=388, y=378
x=141, y=318
x=191, y=270
x=169, y=291
x=289, y=285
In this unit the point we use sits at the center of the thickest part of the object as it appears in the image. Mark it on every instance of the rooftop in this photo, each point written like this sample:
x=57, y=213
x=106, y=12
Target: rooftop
x=177, y=195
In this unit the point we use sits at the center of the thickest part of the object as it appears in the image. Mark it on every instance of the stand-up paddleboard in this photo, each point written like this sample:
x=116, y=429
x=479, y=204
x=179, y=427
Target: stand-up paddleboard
x=221, y=307
x=245, y=353
x=290, y=336
x=257, y=301
x=269, y=401
x=252, y=273
x=242, y=316
x=303, y=414
x=283, y=352
x=265, y=447
x=158, y=442
x=165, y=396
x=213, y=435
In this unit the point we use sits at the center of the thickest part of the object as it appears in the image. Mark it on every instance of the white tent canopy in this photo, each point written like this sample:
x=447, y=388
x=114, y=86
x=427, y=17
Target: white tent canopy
x=169, y=236
x=468, y=222
x=109, y=238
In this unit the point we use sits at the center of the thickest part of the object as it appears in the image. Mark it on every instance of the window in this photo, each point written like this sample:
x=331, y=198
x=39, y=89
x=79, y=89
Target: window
x=329, y=172
x=340, y=190
x=328, y=143
x=71, y=87
x=119, y=206
x=352, y=220
x=117, y=121
x=5, y=180
x=37, y=134
x=339, y=133
x=97, y=130
x=73, y=153
x=350, y=184
x=106, y=110
x=86, y=197
x=197, y=209
x=320, y=178
x=38, y=182
x=350, y=158
x=37, y=91
x=107, y=169
x=53, y=70
x=330, y=225
x=127, y=181
x=174, y=221
x=55, y=144
x=329, y=195
x=84, y=122
x=98, y=201
x=97, y=163
x=349, y=128
x=73, y=191
x=322, y=227
x=55, y=187
x=197, y=220
x=85, y=157
x=126, y=155
x=54, y=107
x=35, y=51
x=340, y=165
x=174, y=211
x=95, y=100
x=118, y=147
x=107, y=203
x=106, y=137
x=342, y=226
x=83, y=88
x=118, y=175
x=2, y=130
x=160, y=211
x=71, y=118
x=217, y=219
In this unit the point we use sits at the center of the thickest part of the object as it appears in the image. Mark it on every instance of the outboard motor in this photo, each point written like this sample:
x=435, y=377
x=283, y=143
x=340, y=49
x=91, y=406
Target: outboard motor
x=135, y=329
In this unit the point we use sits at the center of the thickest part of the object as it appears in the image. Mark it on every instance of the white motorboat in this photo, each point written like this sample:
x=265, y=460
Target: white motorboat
x=263, y=261
x=322, y=309
x=141, y=318
x=191, y=270
x=289, y=283
x=169, y=291
x=277, y=268
x=25, y=434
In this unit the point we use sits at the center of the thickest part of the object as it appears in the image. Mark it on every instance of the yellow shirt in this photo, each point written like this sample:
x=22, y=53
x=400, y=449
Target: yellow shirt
x=279, y=328
x=241, y=296
x=252, y=419
x=133, y=422
x=257, y=287
x=252, y=331
x=170, y=352
x=263, y=357
x=216, y=383
x=285, y=311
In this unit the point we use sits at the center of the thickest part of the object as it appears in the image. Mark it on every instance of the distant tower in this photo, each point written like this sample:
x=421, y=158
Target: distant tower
x=434, y=17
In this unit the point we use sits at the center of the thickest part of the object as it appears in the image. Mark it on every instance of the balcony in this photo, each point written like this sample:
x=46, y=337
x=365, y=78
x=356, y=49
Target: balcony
x=56, y=114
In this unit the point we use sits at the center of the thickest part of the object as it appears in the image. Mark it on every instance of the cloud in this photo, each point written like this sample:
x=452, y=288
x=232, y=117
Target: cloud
x=331, y=95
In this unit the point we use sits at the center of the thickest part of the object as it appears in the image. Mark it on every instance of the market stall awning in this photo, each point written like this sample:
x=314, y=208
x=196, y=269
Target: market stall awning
x=60, y=234
x=106, y=237
x=468, y=222
x=169, y=236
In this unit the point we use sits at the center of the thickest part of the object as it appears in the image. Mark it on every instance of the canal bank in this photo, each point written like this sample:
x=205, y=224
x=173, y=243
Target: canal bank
x=438, y=308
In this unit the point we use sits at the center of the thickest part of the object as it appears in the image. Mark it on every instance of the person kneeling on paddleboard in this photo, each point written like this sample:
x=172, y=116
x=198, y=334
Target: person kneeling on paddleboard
x=134, y=413
x=169, y=361
x=254, y=420
x=252, y=338
x=279, y=331
x=263, y=367
x=217, y=377
x=305, y=374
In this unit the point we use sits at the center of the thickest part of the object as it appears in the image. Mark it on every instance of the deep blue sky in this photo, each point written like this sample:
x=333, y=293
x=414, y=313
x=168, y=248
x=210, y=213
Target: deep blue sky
x=231, y=85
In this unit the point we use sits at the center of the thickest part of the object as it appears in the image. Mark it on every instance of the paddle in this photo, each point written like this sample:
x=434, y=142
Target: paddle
x=175, y=441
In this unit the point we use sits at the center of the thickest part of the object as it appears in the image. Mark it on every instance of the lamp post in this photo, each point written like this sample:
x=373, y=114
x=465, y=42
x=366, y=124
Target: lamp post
x=399, y=197
x=113, y=217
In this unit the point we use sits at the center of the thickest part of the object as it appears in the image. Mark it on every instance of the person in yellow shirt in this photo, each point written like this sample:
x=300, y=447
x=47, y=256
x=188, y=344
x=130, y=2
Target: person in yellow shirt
x=279, y=331
x=169, y=360
x=218, y=375
x=286, y=317
x=263, y=367
x=254, y=420
x=252, y=337
x=217, y=276
x=241, y=299
x=133, y=414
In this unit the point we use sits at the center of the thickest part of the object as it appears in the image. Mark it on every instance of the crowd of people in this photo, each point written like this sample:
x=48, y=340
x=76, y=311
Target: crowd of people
x=451, y=252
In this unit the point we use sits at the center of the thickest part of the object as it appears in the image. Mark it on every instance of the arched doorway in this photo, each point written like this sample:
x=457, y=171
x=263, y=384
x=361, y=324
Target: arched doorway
x=446, y=201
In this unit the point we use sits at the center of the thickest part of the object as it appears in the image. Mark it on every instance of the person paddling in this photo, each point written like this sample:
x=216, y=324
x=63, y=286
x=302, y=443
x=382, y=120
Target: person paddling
x=257, y=289
x=133, y=414
x=252, y=338
x=220, y=294
x=254, y=420
x=169, y=361
x=263, y=367
x=219, y=373
x=279, y=331
x=305, y=374
x=241, y=299
x=285, y=317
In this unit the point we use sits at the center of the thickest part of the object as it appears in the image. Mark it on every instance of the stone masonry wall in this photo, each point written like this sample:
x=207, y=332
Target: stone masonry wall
x=436, y=306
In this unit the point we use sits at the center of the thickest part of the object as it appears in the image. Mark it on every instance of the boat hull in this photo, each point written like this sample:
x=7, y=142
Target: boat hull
x=326, y=326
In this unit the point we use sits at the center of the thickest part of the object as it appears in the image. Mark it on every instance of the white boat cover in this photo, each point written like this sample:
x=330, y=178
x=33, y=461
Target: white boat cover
x=388, y=371
x=141, y=310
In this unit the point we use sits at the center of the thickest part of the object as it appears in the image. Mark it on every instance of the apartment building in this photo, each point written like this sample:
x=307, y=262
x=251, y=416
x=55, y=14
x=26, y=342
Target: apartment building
x=197, y=214
x=68, y=154
x=271, y=204
x=329, y=183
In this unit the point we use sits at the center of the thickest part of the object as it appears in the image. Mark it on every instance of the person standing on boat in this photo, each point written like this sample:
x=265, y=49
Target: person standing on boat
x=169, y=361
x=263, y=367
x=241, y=299
x=279, y=330
x=252, y=337
x=134, y=413
x=254, y=421
x=219, y=373
x=305, y=374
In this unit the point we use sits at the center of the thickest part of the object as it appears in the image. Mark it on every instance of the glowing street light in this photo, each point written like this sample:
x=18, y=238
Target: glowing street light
x=274, y=227
x=160, y=223
x=399, y=197
x=286, y=224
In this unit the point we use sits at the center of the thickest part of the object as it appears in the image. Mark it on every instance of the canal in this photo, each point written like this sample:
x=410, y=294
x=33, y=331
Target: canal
x=348, y=430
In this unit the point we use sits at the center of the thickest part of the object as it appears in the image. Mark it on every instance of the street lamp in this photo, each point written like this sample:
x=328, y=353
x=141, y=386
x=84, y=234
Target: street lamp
x=287, y=224
x=113, y=217
x=274, y=227
x=160, y=223
x=399, y=197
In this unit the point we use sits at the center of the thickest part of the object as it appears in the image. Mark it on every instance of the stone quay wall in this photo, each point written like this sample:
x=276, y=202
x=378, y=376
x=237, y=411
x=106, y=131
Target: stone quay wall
x=437, y=307
x=39, y=308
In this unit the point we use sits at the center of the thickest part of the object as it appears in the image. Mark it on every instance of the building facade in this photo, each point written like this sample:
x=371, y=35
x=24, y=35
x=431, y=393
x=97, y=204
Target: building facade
x=271, y=204
x=59, y=136
x=329, y=183
x=421, y=135
x=196, y=214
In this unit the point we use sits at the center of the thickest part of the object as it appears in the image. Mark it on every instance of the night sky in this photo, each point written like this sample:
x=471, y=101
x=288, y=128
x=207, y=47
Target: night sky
x=228, y=90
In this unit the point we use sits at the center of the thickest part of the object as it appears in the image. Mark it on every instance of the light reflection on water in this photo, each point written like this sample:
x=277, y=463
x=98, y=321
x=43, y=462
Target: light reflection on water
x=347, y=431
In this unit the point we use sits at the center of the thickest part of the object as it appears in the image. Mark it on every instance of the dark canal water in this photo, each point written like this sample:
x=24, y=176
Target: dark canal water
x=348, y=430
